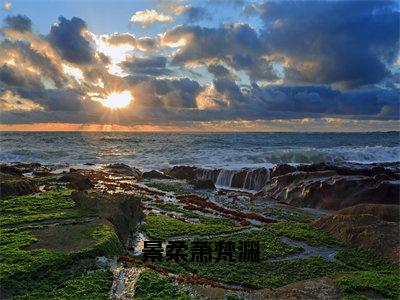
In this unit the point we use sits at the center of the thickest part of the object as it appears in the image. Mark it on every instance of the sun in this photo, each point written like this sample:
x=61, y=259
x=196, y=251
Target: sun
x=117, y=100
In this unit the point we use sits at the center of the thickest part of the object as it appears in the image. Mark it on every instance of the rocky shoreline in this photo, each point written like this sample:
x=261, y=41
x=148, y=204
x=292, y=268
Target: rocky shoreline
x=355, y=205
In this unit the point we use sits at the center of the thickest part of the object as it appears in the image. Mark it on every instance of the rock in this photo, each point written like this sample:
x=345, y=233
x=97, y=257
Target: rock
x=41, y=172
x=310, y=289
x=203, y=184
x=181, y=172
x=155, y=174
x=328, y=190
x=122, y=210
x=10, y=170
x=365, y=231
x=385, y=212
x=27, y=167
x=124, y=169
x=77, y=181
x=16, y=186
x=280, y=170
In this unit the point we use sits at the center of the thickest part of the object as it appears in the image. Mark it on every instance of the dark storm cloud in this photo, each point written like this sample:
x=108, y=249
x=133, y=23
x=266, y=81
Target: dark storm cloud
x=67, y=37
x=194, y=14
x=219, y=71
x=208, y=43
x=55, y=99
x=236, y=45
x=324, y=100
x=349, y=43
x=14, y=77
x=19, y=23
x=155, y=66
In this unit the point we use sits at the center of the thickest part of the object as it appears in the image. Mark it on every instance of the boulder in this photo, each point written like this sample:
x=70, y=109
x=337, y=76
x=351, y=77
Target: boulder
x=203, y=184
x=385, y=212
x=328, y=190
x=26, y=167
x=77, y=181
x=10, y=170
x=364, y=231
x=283, y=169
x=124, y=169
x=181, y=172
x=155, y=175
x=16, y=186
x=122, y=210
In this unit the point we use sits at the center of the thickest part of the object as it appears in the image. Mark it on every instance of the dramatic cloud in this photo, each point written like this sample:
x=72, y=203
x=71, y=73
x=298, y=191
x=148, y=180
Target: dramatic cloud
x=18, y=23
x=192, y=14
x=150, y=16
x=347, y=43
x=326, y=60
x=142, y=43
x=68, y=37
x=146, y=66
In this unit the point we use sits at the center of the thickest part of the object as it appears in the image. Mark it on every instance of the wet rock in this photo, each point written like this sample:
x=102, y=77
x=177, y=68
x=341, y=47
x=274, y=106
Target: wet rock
x=365, y=231
x=153, y=174
x=280, y=170
x=207, y=174
x=122, y=210
x=124, y=169
x=181, y=172
x=328, y=190
x=41, y=172
x=27, y=167
x=77, y=181
x=10, y=170
x=16, y=186
x=203, y=184
x=348, y=169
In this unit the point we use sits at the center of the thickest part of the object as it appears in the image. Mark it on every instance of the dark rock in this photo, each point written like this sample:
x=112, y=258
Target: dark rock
x=77, y=181
x=41, y=172
x=203, y=184
x=27, y=167
x=155, y=174
x=16, y=186
x=280, y=170
x=122, y=210
x=251, y=179
x=181, y=172
x=364, y=231
x=328, y=190
x=10, y=170
x=207, y=174
x=89, y=164
x=124, y=169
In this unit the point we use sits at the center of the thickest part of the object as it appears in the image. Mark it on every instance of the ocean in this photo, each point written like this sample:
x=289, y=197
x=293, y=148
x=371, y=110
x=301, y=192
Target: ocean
x=210, y=150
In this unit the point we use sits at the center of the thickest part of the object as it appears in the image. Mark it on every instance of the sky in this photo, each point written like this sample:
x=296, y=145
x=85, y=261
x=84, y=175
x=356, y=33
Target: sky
x=222, y=65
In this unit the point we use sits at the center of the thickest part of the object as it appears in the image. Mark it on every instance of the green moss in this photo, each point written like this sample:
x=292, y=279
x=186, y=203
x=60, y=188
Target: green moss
x=190, y=214
x=363, y=260
x=39, y=271
x=287, y=215
x=302, y=231
x=162, y=227
x=43, y=273
x=151, y=286
x=359, y=284
x=175, y=188
x=142, y=197
x=51, y=200
x=53, y=204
